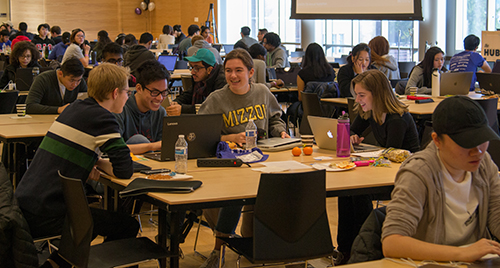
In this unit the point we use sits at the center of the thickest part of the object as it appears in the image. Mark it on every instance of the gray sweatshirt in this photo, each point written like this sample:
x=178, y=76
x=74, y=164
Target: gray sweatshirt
x=257, y=104
x=418, y=199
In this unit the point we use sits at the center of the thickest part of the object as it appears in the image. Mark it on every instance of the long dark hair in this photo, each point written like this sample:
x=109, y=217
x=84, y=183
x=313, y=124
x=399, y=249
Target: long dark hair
x=315, y=59
x=356, y=50
x=427, y=65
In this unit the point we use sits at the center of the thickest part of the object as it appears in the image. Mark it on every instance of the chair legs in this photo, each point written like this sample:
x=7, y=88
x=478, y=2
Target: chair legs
x=196, y=239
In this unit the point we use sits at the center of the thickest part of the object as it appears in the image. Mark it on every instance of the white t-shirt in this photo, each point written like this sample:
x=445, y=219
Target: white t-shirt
x=73, y=51
x=461, y=209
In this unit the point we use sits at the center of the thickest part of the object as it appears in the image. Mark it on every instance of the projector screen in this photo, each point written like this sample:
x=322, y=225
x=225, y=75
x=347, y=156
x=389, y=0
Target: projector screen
x=357, y=9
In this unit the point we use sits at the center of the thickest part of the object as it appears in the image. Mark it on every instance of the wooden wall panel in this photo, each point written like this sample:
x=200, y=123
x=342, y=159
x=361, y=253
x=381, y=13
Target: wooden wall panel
x=115, y=16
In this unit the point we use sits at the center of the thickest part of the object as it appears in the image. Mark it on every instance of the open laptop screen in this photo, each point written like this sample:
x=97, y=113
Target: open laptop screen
x=168, y=61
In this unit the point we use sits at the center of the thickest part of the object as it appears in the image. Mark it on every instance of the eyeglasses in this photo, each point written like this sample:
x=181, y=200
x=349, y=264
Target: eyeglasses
x=115, y=61
x=80, y=36
x=196, y=68
x=25, y=57
x=155, y=93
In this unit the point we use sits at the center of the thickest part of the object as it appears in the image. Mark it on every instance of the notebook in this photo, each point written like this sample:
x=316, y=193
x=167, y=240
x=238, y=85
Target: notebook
x=202, y=133
x=324, y=130
x=168, y=61
x=489, y=81
x=288, y=75
x=455, y=83
x=24, y=77
x=139, y=167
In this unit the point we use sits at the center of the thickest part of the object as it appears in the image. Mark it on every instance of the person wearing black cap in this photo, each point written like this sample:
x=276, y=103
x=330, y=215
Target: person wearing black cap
x=469, y=60
x=447, y=195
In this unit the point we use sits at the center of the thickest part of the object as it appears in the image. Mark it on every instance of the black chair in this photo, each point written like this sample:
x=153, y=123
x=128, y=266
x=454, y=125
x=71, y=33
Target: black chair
x=490, y=108
x=290, y=220
x=181, y=64
x=394, y=82
x=8, y=100
x=77, y=234
x=310, y=106
x=405, y=68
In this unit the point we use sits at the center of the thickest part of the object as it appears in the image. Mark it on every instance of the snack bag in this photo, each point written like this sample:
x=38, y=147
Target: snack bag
x=396, y=155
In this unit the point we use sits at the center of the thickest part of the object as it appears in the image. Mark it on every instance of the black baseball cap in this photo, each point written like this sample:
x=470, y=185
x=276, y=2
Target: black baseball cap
x=464, y=121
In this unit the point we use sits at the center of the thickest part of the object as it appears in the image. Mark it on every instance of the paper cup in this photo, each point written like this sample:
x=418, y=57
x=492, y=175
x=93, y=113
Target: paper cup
x=21, y=109
x=307, y=140
x=197, y=107
x=413, y=90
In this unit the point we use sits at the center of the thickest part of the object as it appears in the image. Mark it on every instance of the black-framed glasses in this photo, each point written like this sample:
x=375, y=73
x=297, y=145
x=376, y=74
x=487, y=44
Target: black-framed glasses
x=196, y=68
x=115, y=61
x=155, y=93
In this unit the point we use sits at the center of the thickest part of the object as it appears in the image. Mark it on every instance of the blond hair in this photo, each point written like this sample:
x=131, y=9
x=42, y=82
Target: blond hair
x=384, y=100
x=105, y=78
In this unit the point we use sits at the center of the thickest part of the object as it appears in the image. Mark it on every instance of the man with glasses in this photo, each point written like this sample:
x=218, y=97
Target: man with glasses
x=113, y=53
x=276, y=56
x=52, y=91
x=207, y=75
x=141, y=121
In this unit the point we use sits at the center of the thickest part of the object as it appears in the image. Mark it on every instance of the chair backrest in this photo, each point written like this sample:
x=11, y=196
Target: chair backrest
x=494, y=151
x=77, y=229
x=310, y=106
x=405, y=68
x=290, y=219
x=181, y=64
x=350, y=108
x=490, y=108
x=8, y=100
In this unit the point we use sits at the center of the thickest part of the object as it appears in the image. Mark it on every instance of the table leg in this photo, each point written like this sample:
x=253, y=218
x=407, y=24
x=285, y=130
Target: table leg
x=162, y=232
x=175, y=232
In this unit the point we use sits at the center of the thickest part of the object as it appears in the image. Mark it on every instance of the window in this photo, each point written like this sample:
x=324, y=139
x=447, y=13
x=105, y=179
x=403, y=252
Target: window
x=471, y=19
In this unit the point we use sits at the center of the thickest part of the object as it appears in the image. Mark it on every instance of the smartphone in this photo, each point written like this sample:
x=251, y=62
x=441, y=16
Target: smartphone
x=155, y=171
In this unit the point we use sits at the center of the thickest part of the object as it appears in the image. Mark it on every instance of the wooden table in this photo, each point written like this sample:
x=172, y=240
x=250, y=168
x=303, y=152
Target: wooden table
x=13, y=119
x=180, y=72
x=387, y=263
x=284, y=89
x=238, y=186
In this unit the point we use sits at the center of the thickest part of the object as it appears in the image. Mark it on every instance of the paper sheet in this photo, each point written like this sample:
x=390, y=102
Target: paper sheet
x=286, y=165
x=374, y=154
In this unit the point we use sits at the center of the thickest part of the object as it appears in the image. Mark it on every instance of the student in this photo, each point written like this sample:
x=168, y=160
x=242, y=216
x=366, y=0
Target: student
x=102, y=41
x=77, y=49
x=179, y=35
x=207, y=75
x=381, y=59
x=198, y=42
x=358, y=62
x=447, y=195
x=42, y=40
x=166, y=38
x=205, y=32
x=141, y=121
x=70, y=148
x=421, y=75
x=186, y=43
x=4, y=39
x=52, y=91
x=469, y=60
x=24, y=55
x=277, y=56
x=58, y=51
x=258, y=103
x=55, y=34
x=258, y=53
x=245, y=37
x=392, y=126
x=314, y=68
x=138, y=54
x=113, y=53
x=262, y=33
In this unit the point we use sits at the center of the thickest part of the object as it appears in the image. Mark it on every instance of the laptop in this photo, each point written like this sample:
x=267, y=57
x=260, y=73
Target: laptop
x=202, y=140
x=217, y=46
x=455, y=83
x=24, y=77
x=489, y=81
x=228, y=48
x=288, y=75
x=168, y=61
x=324, y=130
x=278, y=144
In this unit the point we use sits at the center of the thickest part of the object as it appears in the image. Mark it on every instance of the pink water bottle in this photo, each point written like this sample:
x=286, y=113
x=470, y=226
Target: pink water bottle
x=343, y=136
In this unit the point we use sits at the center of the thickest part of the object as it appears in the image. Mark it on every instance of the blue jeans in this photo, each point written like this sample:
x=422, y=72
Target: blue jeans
x=137, y=139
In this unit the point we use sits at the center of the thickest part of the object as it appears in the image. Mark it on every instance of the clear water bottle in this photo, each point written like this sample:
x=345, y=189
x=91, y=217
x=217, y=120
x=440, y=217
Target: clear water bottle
x=181, y=155
x=35, y=72
x=4, y=48
x=344, y=136
x=250, y=135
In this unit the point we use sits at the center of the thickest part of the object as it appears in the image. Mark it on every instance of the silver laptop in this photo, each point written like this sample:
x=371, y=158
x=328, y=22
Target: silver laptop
x=455, y=83
x=278, y=144
x=324, y=130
